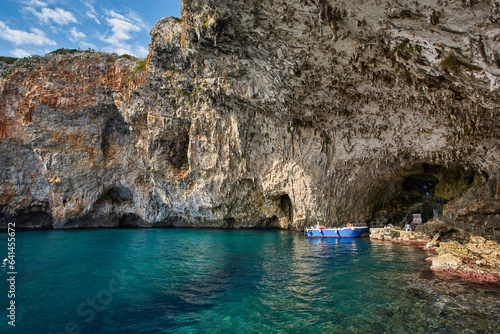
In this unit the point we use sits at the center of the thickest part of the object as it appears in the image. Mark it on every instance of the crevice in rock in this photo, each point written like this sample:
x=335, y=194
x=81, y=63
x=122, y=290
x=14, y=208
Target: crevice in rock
x=173, y=144
x=115, y=132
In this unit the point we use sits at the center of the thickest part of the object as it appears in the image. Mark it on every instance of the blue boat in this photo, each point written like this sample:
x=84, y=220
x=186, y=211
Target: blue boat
x=348, y=231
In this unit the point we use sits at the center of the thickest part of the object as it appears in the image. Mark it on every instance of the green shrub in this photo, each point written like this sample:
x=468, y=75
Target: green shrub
x=5, y=73
x=64, y=51
x=450, y=62
x=196, y=89
x=403, y=44
x=126, y=56
x=141, y=66
x=454, y=62
x=115, y=57
x=25, y=62
x=8, y=60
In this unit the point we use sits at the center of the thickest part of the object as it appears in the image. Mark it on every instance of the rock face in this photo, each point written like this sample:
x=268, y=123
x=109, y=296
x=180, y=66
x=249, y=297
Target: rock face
x=478, y=259
x=263, y=114
x=397, y=235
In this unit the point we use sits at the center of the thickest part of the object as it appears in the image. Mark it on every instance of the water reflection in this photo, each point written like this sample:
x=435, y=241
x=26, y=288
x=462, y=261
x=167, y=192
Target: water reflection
x=211, y=281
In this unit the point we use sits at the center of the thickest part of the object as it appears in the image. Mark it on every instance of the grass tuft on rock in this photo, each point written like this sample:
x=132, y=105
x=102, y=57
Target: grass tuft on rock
x=141, y=66
x=454, y=62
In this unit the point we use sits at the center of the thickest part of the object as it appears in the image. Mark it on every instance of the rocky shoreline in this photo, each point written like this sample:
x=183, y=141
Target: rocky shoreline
x=459, y=254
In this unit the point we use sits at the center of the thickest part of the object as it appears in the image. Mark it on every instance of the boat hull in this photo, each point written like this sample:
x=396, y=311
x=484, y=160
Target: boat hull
x=346, y=232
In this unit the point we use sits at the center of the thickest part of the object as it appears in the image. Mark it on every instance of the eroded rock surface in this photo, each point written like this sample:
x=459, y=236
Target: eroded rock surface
x=478, y=259
x=264, y=114
x=397, y=235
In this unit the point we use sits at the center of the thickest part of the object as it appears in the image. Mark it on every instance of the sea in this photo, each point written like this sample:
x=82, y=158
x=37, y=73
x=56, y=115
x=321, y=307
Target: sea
x=231, y=281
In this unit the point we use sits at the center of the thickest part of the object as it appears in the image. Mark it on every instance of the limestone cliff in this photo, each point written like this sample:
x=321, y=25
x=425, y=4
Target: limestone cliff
x=255, y=113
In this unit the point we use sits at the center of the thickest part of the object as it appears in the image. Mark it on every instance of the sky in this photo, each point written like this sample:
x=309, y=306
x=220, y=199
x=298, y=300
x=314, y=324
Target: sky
x=29, y=27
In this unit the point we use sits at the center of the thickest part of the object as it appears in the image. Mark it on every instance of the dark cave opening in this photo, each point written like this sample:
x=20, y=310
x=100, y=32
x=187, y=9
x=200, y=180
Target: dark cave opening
x=115, y=133
x=268, y=223
x=286, y=207
x=230, y=222
x=424, y=182
x=118, y=195
x=423, y=190
x=175, y=144
x=128, y=220
x=283, y=217
x=36, y=217
x=111, y=209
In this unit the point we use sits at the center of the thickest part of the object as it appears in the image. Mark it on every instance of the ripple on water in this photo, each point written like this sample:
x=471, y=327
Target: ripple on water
x=213, y=281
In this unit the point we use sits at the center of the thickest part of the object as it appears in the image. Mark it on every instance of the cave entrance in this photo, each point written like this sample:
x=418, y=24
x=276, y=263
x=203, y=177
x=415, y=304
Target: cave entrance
x=425, y=190
x=424, y=182
x=129, y=220
x=286, y=207
x=419, y=190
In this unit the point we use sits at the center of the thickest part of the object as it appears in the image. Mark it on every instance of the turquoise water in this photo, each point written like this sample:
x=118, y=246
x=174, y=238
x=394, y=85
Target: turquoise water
x=233, y=281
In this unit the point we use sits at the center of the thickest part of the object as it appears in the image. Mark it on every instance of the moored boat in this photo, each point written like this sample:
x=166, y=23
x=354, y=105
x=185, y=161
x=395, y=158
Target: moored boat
x=348, y=231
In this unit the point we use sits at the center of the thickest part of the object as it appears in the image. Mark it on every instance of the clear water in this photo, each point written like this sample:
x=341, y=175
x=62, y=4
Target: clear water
x=233, y=281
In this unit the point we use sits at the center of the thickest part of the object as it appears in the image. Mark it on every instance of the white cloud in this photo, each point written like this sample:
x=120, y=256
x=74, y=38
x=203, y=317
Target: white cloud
x=19, y=37
x=75, y=35
x=92, y=16
x=86, y=45
x=91, y=12
x=35, y=3
x=20, y=53
x=136, y=51
x=142, y=52
x=58, y=15
x=122, y=30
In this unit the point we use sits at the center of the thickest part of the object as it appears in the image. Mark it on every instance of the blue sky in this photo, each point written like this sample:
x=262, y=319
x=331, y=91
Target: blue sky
x=30, y=27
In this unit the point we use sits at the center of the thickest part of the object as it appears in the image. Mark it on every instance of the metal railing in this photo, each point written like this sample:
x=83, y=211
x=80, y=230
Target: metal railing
x=477, y=229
